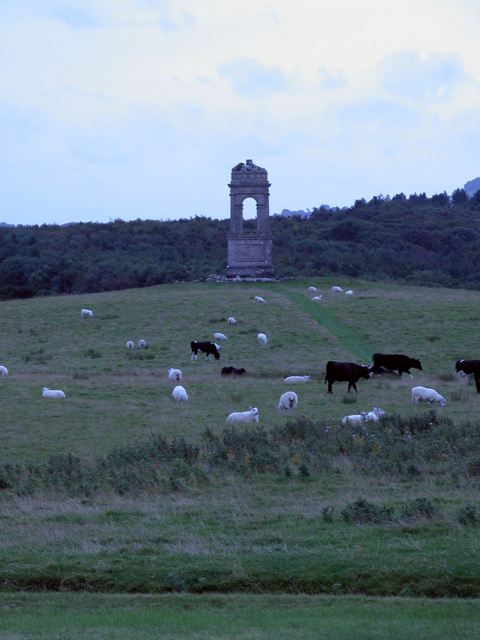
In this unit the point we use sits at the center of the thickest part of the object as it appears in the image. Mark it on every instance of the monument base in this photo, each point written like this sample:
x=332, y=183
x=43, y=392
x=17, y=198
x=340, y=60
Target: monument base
x=250, y=256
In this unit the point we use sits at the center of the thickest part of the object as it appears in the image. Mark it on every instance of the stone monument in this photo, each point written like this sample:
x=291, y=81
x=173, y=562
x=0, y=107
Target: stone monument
x=249, y=254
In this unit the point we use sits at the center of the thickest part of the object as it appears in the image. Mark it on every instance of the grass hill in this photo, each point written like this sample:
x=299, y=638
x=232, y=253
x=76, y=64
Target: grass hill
x=119, y=489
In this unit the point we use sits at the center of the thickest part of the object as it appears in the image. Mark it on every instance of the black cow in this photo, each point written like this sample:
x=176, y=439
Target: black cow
x=476, y=373
x=467, y=366
x=345, y=372
x=394, y=361
x=226, y=371
x=208, y=348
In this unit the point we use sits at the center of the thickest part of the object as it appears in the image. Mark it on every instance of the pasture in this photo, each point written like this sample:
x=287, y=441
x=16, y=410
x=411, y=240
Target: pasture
x=227, y=524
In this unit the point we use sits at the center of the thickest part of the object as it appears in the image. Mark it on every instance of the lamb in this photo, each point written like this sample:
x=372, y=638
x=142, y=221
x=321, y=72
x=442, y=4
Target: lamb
x=371, y=416
x=337, y=289
x=244, y=416
x=295, y=379
x=231, y=321
x=317, y=298
x=86, y=313
x=258, y=299
x=288, y=402
x=179, y=394
x=262, y=338
x=423, y=394
x=3, y=371
x=312, y=290
x=219, y=336
x=349, y=293
x=175, y=374
x=52, y=393
x=142, y=344
x=130, y=344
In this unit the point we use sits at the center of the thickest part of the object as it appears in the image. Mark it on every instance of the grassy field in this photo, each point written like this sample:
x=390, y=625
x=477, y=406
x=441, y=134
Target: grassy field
x=259, y=516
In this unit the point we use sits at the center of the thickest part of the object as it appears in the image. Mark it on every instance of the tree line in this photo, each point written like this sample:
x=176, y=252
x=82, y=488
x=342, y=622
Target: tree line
x=424, y=241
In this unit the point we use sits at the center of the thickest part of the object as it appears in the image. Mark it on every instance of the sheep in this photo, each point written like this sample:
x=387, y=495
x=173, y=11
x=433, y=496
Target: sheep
x=294, y=379
x=231, y=321
x=312, y=290
x=175, y=374
x=218, y=346
x=371, y=416
x=52, y=393
x=258, y=299
x=142, y=344
x=244, y=416
x=423, y=394
x=219, y=336
x=317, y=298
x=179, y=394
x=337, y=289
x=3, y=371
x=262, y=338
x=130, y=344
x=349, y=293
x=86, y=313
x=288, y=402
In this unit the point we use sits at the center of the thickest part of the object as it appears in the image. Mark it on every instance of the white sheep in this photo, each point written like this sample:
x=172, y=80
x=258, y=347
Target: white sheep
x=371, y=416
x=232, y=320
x=317, y=298
x=244, y=416
x=219, y=336
x=218, y=347
x=288, y=402
x=175, y=374
x=262, y=338
x=86, y=313
x=349, y=293
x=337, y=289
x=142, y=344
x=3, y=371
x=130, y=344
x=179, y=394
x=295, y=379
x=312, y=290
x=423, y=394
x=258, y=299
x=52, y=393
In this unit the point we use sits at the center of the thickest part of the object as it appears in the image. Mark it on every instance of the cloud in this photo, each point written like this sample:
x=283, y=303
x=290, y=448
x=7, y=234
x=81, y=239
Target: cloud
x=252, y=79
x=332, y=79
x=405, y=74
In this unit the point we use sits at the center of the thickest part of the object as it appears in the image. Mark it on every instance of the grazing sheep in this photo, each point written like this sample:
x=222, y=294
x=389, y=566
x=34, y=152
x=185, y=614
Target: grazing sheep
x=130, y=344
x=232, y=321
x=175, y=374
x=317, y=298
x=244, y=416
x=219, y=336
x=262, y=338
x=142, y=344
x=294, y=379
x=288, y=402
x=52, y=393
x=3, y=371
x=312, y=290
x=349, y=293
x=179, y=394
x=371, y=416
x=258, y=299
x=86, y=313
x=226, y=371
x=423, y=394
x=337, y=289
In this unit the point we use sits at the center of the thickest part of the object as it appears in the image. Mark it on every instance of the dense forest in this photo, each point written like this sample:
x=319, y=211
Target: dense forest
x=426, y=241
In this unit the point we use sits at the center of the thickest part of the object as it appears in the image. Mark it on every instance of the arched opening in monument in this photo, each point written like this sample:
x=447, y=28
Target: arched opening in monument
x=249, y=215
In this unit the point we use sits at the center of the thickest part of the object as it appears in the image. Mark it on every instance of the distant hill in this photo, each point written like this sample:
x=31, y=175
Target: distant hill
x=472, y=187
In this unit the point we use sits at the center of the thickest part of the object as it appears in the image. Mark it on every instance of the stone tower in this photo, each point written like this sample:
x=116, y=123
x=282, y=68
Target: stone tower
x=249, y=254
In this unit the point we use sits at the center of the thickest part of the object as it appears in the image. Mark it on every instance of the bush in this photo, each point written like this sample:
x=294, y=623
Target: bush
x=419, y=508
x=468, y=515
x=365, y=512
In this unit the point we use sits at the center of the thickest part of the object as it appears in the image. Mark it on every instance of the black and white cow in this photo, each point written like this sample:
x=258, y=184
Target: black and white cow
x=466, y=366
x=345, y=372
x=208, y=348
x=476, y=373
x=226, y=371
x=394, y=362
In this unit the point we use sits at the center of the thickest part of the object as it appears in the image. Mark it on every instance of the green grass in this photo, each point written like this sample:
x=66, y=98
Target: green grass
x=88, y=617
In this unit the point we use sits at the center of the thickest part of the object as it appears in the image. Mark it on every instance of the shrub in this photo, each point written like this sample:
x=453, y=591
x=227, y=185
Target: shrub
x=468, y=515
x=365, y=512
x=419, y=508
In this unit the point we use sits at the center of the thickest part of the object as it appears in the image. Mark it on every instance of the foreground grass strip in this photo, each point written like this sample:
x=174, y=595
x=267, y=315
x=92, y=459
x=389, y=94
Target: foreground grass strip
x=88, y=617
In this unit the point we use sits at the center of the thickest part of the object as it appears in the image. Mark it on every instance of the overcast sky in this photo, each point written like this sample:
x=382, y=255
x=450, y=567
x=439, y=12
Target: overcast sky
x=140, y=108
